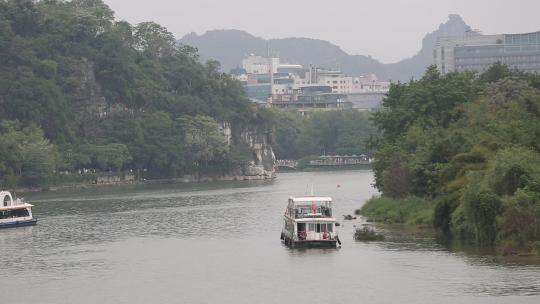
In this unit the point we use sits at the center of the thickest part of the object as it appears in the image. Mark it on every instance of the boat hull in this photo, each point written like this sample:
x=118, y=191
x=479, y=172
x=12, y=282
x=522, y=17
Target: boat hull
x=18, y=223
x=314, y=244
x=309, y=243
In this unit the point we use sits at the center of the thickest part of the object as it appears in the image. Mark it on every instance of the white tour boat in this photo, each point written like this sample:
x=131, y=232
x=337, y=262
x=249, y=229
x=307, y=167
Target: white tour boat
x=309, y=223
x=15, y=213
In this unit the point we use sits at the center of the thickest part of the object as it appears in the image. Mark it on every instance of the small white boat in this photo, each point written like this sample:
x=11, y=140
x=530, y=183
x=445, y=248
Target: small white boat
x=15, y=213
x=308, y=223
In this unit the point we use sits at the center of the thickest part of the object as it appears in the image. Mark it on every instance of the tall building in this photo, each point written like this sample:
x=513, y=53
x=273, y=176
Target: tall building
x=369, y=84
x=254, y=64
x=476, y=52
x=368, y=92
x=313, y=98
x=339, y=82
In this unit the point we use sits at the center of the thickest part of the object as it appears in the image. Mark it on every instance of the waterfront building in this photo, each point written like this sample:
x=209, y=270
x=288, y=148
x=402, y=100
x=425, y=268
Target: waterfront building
x=259, y=92
x=339, y=82
x=369, y=84
x=239, y=74
x=254, y=64
x=293, y=69
x=366, y=101
x=313, y=98
x=367, y=93
x=476, y=52
x=292, y=86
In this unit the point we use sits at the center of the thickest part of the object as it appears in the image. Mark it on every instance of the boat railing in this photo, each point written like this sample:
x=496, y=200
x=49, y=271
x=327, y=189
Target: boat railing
x=312, y=215
x=321, y=212
x=316, y=236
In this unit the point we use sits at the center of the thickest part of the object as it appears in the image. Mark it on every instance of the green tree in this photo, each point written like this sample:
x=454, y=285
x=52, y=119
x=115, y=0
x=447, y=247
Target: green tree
x=469, y=142
x=107, y=94
x=25, y=155
x=206, y=145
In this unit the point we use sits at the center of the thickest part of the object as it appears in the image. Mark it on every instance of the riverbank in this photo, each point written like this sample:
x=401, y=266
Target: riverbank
x=411, y=211
x=420, y=213
x=111, y=182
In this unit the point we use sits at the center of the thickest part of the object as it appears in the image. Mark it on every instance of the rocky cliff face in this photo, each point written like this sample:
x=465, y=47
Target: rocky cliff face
x=259, y=141
x=259, y=145
x=416, y=65
x=93, y=106
x=89, y=96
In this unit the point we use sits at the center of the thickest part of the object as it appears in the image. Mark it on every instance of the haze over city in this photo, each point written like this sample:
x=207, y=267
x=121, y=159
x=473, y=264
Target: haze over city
x=265, y=152
x=387, y=30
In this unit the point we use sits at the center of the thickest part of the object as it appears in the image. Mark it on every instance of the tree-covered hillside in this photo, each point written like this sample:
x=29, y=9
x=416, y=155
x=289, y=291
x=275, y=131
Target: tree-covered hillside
x=79, y=89
x=470, y=144
x=320, y=133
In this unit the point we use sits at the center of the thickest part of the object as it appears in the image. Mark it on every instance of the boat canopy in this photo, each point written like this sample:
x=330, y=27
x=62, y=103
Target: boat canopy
x=16, y=207
x=309, y=199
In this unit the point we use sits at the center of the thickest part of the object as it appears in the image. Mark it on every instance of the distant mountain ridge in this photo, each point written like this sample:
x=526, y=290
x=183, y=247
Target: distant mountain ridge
x=230, y=46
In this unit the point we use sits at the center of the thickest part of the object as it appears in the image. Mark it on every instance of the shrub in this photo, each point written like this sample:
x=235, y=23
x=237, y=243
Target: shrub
x=411, y=210
x=445, y=206
x=481, y=209
x=520, y=220
x=367, y=233
x=535, y=247
x=511, y=169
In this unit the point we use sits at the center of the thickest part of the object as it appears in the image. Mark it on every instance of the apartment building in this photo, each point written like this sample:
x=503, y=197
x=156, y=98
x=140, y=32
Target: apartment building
x=476, y=52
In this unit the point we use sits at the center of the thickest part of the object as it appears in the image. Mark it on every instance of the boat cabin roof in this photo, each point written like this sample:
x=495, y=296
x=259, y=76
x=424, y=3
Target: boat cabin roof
x=309, y=199
x=16, y=207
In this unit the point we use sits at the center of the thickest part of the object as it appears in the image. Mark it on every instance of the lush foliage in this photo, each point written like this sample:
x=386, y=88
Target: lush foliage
x=366, y=234
x=25, y=155
x=471, y=143
x=339, y=132
x=411, y=210
x=108, y=95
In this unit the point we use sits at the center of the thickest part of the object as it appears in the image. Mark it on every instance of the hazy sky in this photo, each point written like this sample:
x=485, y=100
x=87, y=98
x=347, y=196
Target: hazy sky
x=388, y=30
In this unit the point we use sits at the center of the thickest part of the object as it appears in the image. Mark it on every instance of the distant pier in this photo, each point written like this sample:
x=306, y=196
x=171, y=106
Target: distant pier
x=328, y=161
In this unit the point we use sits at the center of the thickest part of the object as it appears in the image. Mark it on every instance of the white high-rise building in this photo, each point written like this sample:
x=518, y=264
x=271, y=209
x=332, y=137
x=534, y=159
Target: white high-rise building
x=339, y=82
x=254, y=64
x=476, y=52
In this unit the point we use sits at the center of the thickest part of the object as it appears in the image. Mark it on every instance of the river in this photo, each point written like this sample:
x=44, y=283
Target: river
x=219, y=243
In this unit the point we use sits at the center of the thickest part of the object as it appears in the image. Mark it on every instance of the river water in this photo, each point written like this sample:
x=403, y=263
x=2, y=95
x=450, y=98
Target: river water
x=219, y=243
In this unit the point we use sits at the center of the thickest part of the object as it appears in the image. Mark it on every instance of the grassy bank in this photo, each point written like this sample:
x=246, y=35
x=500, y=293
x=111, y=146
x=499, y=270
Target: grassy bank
x=418, y=211
x=411, y=210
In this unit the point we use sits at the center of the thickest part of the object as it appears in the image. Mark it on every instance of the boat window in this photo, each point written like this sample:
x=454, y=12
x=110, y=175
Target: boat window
x=323, y=228
x=320, y=228
x=328, y=211
x=14, y=213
